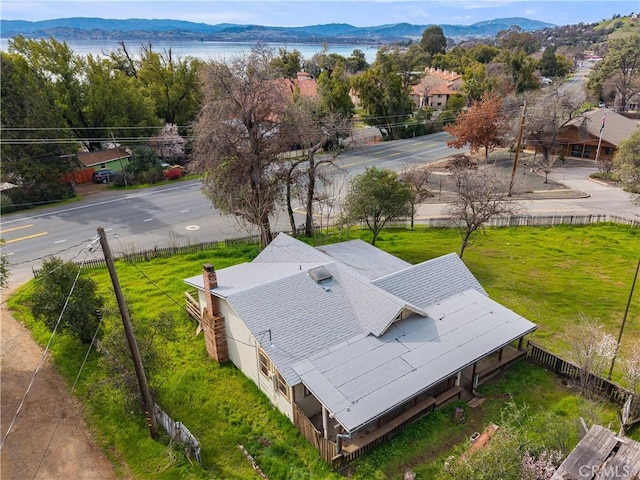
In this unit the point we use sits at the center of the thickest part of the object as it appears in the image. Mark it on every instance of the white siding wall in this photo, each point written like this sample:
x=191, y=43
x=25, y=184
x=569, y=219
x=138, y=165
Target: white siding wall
x=243, y=352
x=241, y=344
x=310, y=404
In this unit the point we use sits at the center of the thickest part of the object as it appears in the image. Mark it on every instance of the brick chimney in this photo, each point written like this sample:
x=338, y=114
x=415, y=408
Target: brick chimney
x=212, y=321
x=210, y=280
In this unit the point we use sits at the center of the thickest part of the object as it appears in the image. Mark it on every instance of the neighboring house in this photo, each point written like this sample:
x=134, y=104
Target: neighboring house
x=112, y=159
x=304, y=84
x=435, y=88
x=350, y=342
x=581, y=135
x=600, y=455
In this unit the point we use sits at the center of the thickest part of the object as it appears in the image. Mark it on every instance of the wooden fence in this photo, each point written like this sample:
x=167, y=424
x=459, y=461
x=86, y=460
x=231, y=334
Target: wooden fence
x=596, y=384
x=178, y=432
x=527, y=221
x=511, y=221
x=327, y=448
x=165, y=252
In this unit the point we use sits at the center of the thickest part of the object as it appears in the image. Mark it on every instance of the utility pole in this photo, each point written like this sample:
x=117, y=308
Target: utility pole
x=624, y=319
x=131, y=339
x=515, y=160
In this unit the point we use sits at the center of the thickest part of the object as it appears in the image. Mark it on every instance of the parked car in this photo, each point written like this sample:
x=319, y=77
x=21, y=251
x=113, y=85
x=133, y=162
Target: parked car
x=104, y=176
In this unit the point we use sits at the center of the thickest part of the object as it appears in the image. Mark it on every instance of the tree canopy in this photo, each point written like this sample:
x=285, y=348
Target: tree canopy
x=383, y=95
x=617, y=77
x=239, y=136
x=65, y=300
x=433, y=40
x=627, y=165
x=375, y=197
x=483, y=126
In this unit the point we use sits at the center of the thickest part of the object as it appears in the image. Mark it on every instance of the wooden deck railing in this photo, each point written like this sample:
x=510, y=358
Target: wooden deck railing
x=193, y=306
x=495, y=368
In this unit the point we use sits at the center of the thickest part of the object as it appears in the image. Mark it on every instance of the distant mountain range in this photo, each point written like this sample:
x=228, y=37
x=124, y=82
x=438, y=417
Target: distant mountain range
x=140, y=29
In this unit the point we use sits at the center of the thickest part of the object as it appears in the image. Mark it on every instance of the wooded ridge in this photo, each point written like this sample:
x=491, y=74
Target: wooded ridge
x=135, y=29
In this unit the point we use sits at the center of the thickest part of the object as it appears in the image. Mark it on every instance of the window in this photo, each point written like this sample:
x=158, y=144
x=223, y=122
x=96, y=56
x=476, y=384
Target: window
x=282, y=385
x=587, y=152
x=576, y=150
x=306, y=391
x=265, y=364
x=103, y=165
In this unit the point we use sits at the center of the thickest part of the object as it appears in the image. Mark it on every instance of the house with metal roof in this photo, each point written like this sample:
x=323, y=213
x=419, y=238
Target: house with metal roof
x=350, y=342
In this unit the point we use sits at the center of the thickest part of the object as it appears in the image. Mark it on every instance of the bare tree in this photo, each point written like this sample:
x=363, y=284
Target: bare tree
x=330, y=194
x=481, y=194
x=314, y=132
x=590, y=349
x=547, y=115
x=239, y=137
x=417, y=178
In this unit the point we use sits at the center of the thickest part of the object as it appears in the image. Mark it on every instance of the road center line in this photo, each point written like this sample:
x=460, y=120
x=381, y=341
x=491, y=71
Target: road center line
x=16, y=228
x=26, y=238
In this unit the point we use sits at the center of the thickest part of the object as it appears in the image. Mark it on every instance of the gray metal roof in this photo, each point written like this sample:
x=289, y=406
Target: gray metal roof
x=342, y=335
x=284, y=248
x=305, y=316
x=364, y=258
x=429, y=282
x=367, y=376
x=245, y=276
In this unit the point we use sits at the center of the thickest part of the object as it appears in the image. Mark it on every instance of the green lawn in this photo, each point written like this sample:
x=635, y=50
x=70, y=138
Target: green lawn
x=547, y=274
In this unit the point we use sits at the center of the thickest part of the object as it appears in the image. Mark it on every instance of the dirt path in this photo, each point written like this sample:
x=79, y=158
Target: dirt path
x=49, y=439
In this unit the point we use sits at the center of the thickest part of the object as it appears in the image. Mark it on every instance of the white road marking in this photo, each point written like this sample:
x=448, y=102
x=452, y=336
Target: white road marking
x=147, y=219
x=60, y=241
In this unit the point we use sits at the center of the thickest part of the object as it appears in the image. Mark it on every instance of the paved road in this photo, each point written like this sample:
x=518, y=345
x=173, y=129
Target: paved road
x=600, y=198
x=156, y=216
x=180, y=212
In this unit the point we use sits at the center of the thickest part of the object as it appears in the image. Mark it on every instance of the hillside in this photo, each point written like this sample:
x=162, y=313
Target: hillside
x=135, y=29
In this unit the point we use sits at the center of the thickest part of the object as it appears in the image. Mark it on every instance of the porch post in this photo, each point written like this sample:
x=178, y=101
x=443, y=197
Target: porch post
x=500, y=354
x=520, y=343
x=325, y=423
x=473, y=376
x=458, y=376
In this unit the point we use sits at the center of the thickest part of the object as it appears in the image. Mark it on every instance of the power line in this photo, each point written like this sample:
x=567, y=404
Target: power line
x=84, y=361
x=45, y=274
x=44, y=354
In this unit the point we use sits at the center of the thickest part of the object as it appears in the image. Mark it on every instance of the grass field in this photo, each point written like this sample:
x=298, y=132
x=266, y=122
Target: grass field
x=547, y=274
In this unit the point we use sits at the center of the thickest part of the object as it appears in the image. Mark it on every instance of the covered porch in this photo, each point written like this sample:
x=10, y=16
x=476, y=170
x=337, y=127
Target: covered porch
x=338, y=448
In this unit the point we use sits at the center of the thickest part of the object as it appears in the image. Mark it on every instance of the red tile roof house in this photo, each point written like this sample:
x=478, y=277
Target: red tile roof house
x=304, y=84
x=435, y=87
x=350, y=342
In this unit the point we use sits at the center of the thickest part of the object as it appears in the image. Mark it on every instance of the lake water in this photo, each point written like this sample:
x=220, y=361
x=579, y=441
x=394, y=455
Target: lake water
x=208, y=50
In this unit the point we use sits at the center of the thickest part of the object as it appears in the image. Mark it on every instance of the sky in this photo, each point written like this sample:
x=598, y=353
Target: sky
x=359, y=13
